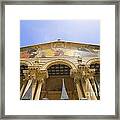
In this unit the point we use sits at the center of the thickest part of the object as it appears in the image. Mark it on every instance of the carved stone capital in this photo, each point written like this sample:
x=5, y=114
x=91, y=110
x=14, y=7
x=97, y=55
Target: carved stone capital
x=76, y=80
x=36, y=74
x=73, y=73
x=41, y=81
x=85, y=72
x=41, y=74
x=27, y=77
x=34, y=81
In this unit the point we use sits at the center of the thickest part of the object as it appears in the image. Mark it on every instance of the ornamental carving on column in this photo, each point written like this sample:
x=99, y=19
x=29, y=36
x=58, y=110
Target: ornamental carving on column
x=87, y=73
x=82, y=72
x=36, y=74
x=41, y=75
x=76, y=80
x=27, y=75
x=75, y=74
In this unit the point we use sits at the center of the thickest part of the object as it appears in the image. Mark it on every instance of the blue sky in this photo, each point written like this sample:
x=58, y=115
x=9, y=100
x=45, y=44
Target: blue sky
x=42, y=31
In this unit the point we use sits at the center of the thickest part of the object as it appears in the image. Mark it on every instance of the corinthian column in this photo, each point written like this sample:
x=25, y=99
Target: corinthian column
x=76, y=76
x=27, y=87
x=40, y=77
x=90, y=92
x=34, y=84
x=23, y=87
x=37, y=96
x=79, y=91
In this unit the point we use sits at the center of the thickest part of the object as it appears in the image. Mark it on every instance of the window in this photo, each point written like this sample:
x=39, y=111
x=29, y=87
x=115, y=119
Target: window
x=59, y=69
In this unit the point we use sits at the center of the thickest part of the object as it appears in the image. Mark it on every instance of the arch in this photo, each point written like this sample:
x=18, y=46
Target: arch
x=59, y=61
x=94, y=60
x=55, y=83
x=28, y=63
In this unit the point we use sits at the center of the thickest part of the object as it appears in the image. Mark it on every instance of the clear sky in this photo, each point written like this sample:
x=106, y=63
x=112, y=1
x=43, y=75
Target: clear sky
x=42, y=31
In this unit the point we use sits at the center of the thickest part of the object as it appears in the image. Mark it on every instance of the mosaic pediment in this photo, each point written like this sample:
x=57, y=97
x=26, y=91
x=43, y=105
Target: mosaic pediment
x=59, y=49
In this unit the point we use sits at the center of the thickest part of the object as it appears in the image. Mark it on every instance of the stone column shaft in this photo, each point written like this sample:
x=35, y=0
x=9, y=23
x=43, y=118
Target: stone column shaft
x=95, y=87
x=90, y=92
x=83, y=84
x=37, y=96
x=27, y=87
x=34, y=84
x=22, y=89
x=79, y=91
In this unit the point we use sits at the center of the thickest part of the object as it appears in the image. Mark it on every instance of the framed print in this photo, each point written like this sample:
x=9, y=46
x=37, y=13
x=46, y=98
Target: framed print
x=60, y=59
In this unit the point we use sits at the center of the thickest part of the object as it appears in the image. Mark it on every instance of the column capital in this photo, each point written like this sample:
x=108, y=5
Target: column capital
x=35, y=73
x=86, y=72
x=41, y=80
x=76, y=80
x=74, y=73
x=41, y=74
x=27, y=77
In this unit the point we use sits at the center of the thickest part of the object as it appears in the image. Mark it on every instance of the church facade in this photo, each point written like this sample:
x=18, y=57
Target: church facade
x=60, y=70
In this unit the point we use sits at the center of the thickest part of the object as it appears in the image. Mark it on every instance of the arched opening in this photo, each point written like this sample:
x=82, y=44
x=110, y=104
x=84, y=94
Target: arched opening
x=59, y=84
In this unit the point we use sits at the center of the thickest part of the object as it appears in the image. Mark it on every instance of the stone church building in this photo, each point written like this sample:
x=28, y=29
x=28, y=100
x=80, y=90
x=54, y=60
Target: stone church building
x=60, y=70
